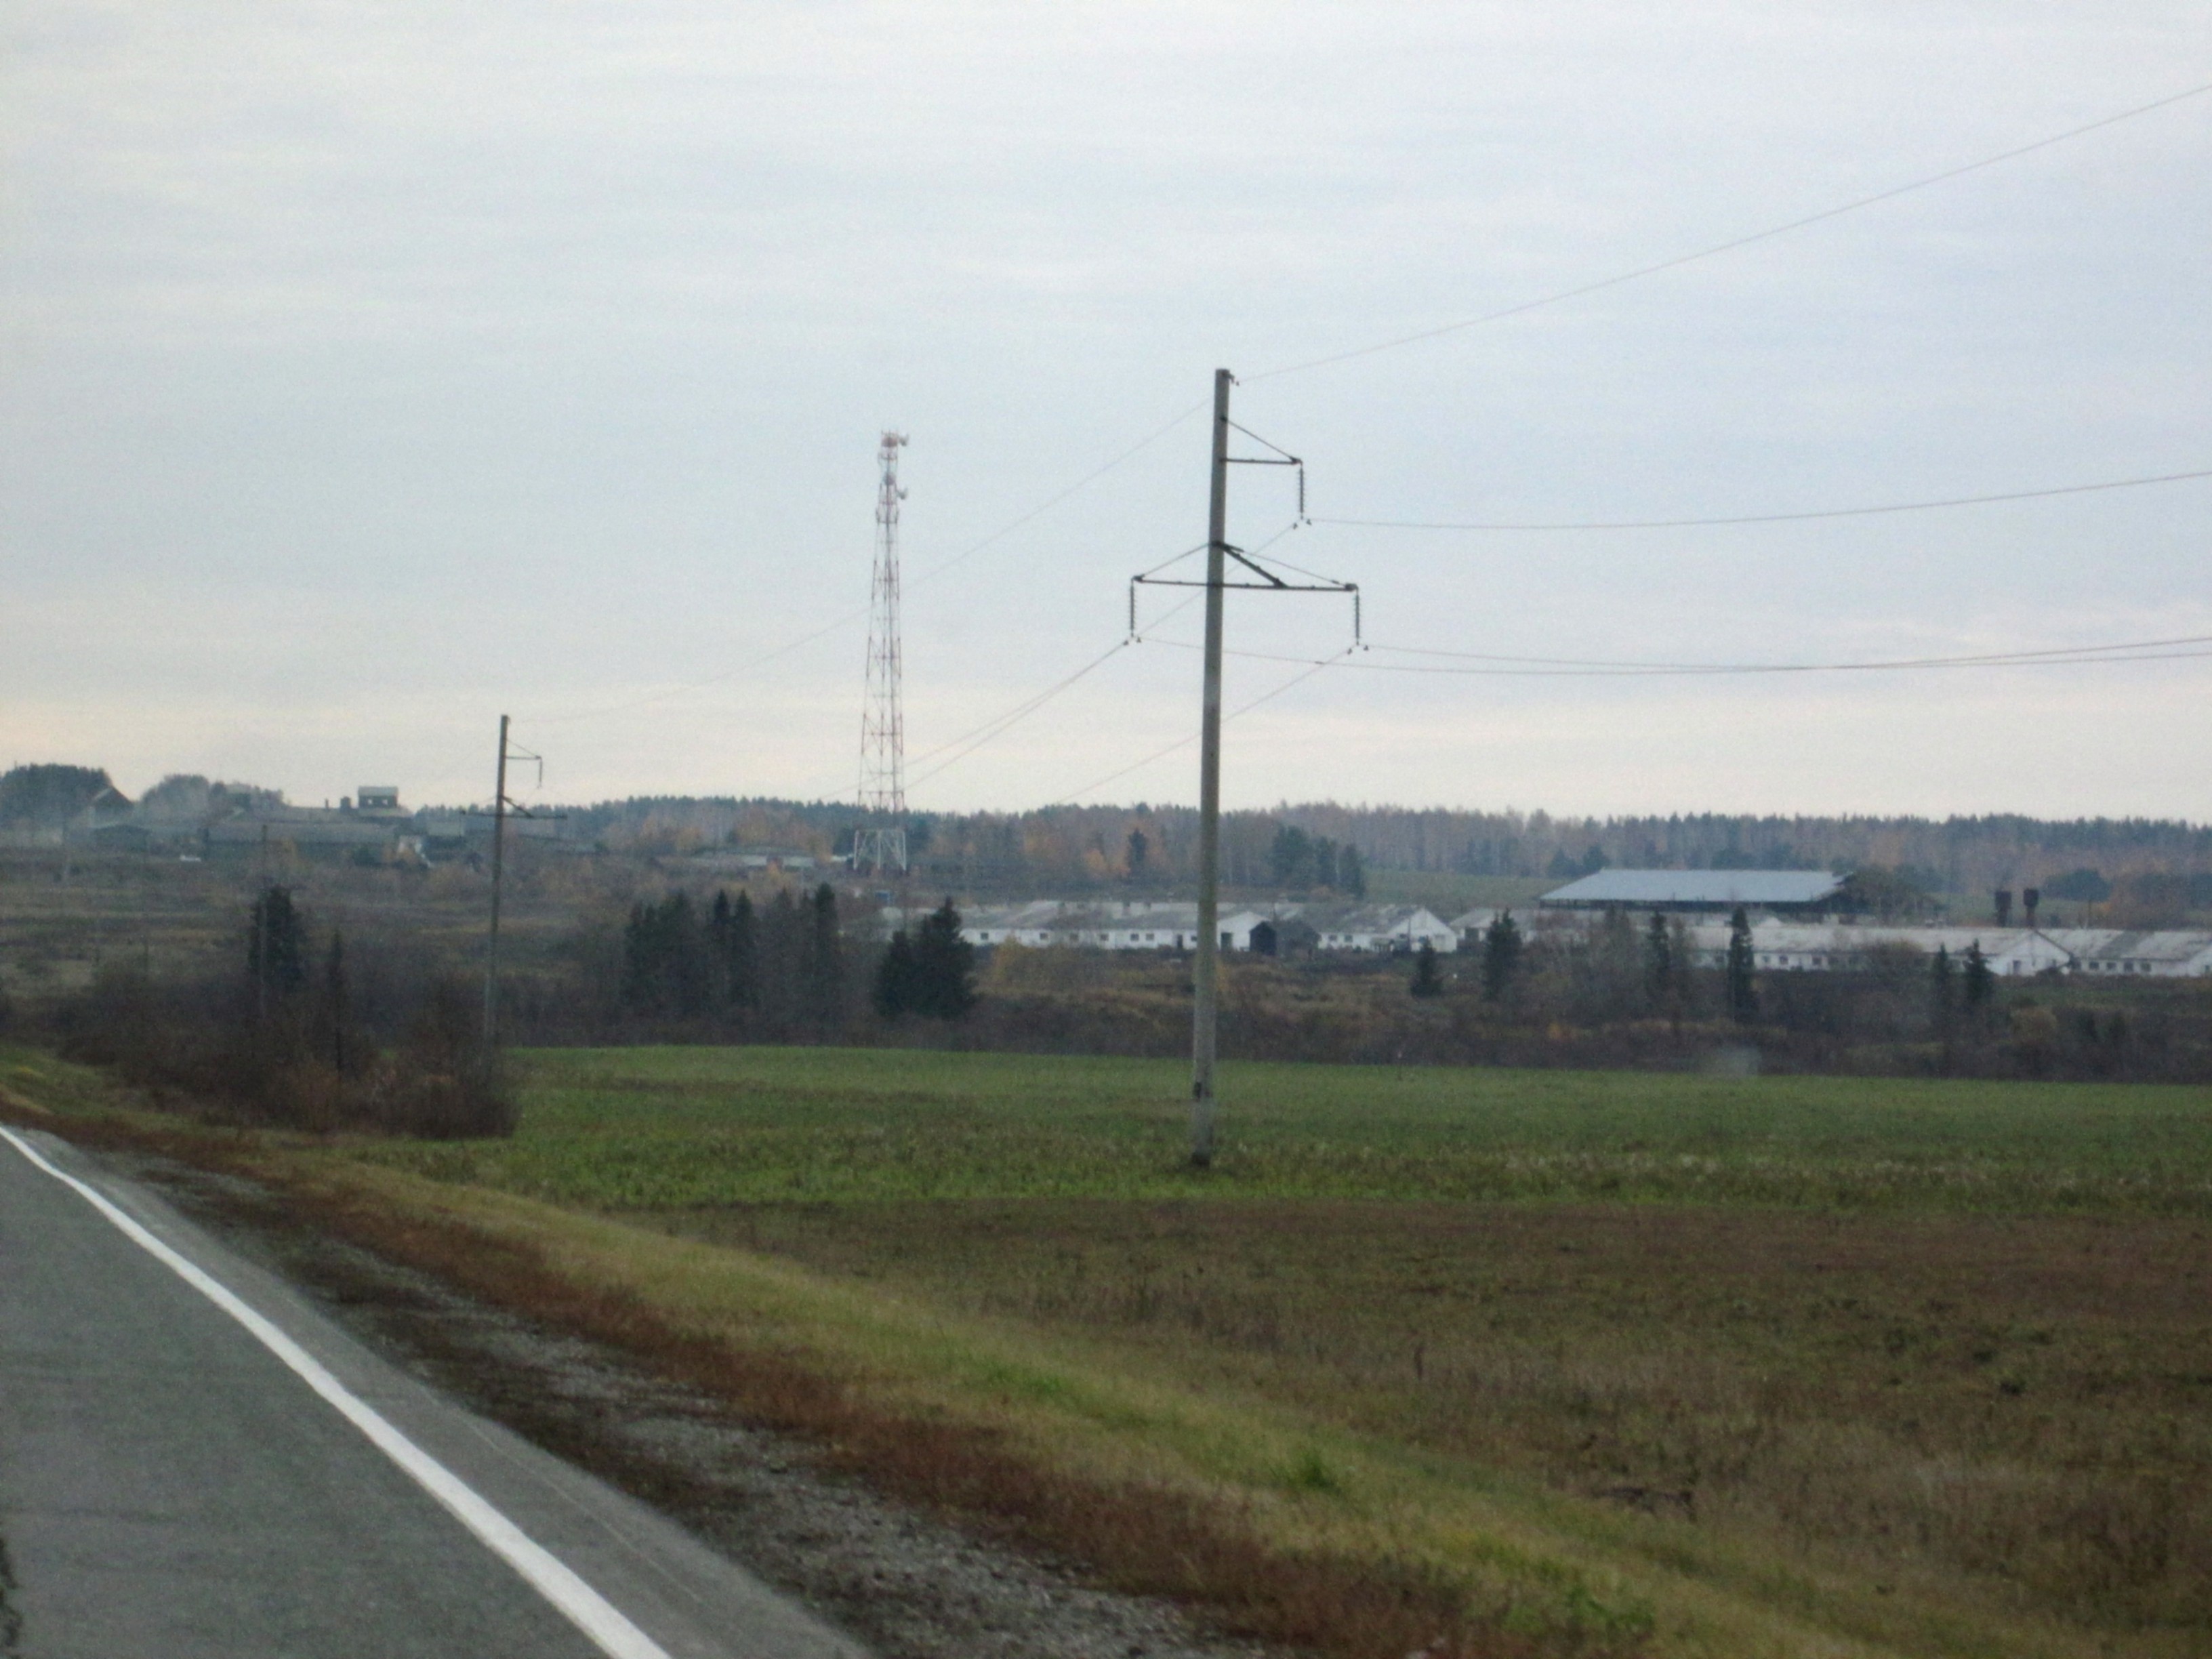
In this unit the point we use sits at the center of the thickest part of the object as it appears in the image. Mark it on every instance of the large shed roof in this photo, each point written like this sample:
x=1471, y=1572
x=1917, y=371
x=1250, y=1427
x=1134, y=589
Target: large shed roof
x=1716, y=890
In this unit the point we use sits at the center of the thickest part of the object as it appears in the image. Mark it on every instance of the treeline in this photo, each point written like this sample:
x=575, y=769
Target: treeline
x=291, y=1026
x=783, y=971
x=1624, y=993
x=1621, y=995
x=1070, y=848
x=298, y=1025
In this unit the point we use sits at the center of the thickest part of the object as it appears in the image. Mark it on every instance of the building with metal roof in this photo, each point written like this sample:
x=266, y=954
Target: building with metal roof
x=1799, y=892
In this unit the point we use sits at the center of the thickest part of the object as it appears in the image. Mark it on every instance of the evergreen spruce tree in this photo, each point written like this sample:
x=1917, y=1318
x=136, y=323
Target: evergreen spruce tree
x=718, y=947
x=1290, y=859
x=1742, y=993
x=825, y=961
x=1140, y=848
x=665, y=966
x=276, y=946
x=333, y=1016
x=895, y=978
x=944, y=966
x=738, y=944
x=783, y=949
x=1978, y=982
x=1658, y=961
x=1324, y=862
x=1428, y=980
x=1943, y=990
x=1501, y=956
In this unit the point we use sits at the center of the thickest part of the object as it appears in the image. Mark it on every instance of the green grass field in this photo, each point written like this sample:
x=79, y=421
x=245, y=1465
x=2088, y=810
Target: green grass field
x=1751, y=1366
x=1928, y=1362
x=670, y=1129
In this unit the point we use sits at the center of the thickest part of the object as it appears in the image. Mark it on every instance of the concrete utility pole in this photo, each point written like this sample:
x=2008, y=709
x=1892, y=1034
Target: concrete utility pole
x=502, y=807
x=1205, y=1004
x=498, y=853
x=261, y=934
x=1254, y=576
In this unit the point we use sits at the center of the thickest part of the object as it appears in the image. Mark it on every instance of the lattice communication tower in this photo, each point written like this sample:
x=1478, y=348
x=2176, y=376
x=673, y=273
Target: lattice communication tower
x=881, y=844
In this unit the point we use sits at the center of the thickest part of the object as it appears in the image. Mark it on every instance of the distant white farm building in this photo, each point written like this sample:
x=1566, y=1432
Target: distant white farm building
x=2172, y=954
x=1171, y=925
x=1701, y=892
x=1377, y=927
x=1130, y=924
x=2011, y=953
x=1797, y=947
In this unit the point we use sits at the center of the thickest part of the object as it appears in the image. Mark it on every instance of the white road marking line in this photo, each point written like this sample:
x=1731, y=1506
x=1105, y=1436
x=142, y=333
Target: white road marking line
x=582, y=1606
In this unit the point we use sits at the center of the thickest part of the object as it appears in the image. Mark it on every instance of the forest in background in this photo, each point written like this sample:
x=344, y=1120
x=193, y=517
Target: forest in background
x=1067, y=848
x=2160, y=869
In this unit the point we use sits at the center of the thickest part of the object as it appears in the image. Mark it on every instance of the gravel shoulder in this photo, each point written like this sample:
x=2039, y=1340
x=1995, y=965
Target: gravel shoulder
x=908, y=1583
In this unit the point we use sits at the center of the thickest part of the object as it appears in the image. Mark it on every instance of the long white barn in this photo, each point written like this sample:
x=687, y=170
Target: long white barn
x=1172, y=925
x=1797, y=947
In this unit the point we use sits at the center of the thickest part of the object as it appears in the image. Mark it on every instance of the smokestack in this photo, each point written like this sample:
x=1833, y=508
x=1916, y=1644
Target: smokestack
x=2004, y=906
x=2029, y=896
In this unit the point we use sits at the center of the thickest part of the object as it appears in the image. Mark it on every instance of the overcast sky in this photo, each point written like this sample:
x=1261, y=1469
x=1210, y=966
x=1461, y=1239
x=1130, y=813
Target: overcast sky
x=371, y=370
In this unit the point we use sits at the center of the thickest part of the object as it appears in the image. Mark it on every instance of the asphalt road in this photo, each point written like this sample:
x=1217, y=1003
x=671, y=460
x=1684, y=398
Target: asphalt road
x=194, y=1461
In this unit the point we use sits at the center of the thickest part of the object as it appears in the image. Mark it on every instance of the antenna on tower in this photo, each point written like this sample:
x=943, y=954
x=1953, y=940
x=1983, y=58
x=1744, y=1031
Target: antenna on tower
x=881, y=846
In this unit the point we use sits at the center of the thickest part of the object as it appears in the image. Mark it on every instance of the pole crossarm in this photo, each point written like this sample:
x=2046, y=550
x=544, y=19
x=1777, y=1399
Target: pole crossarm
x=1269, y=583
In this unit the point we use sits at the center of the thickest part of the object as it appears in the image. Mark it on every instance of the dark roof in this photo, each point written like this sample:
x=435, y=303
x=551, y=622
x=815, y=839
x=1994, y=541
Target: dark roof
x=1715, y=890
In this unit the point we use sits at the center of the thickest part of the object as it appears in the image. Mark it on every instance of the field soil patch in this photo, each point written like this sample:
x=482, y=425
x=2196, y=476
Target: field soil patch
x=2023, y=1402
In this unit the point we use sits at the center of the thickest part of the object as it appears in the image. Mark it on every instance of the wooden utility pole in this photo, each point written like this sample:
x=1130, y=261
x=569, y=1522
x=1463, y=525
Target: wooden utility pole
x=1206, y=980
x=498, y=865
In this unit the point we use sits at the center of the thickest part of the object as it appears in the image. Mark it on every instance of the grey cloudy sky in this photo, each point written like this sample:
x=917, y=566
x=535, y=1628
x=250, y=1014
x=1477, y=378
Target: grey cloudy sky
x=372, y=369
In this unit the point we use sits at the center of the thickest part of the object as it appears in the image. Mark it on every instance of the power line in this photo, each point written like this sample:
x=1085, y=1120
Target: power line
x=1311, y=669
x=1497, y=667
x=999, y=725
x=860, y=614
x=1778, y=517
x=1729, y=246
x=990, y=731
x=2089, y=652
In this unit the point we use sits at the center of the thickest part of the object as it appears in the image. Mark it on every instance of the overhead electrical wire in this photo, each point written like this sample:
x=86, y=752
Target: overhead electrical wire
x=859, y=614
x=982, y=735
x=1679, y=260
x=1496, y=666
x=1000, y=725
x=1311, y=669
x=1995, y=659
x=977, y=737
x=1773, y=518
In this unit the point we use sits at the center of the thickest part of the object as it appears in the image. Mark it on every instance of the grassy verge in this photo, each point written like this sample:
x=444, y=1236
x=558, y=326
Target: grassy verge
x=970, y=1279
